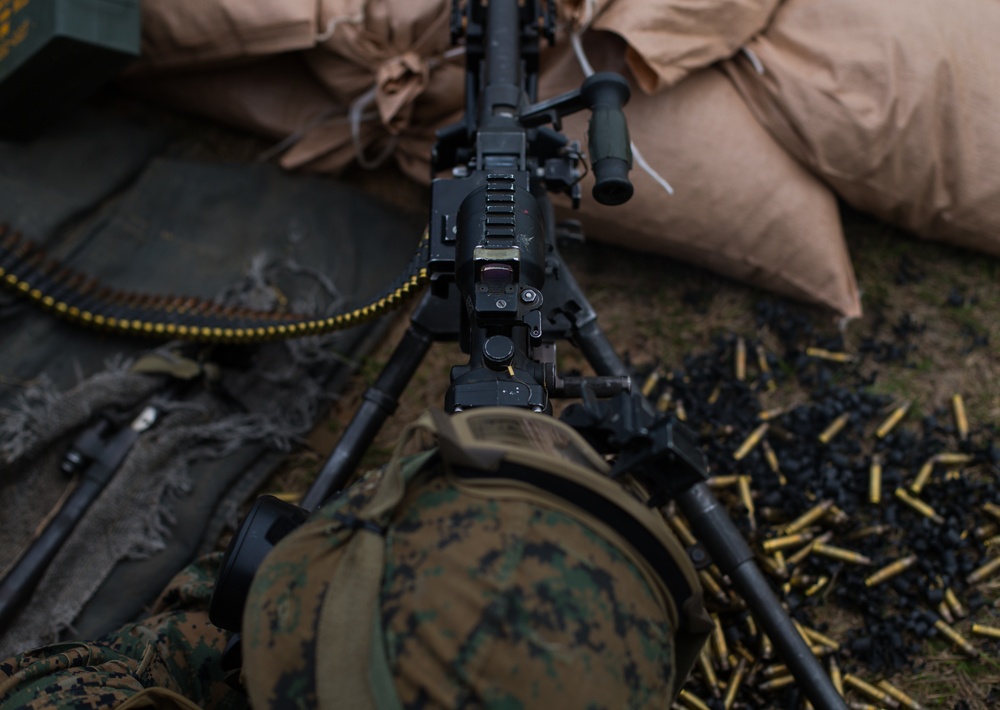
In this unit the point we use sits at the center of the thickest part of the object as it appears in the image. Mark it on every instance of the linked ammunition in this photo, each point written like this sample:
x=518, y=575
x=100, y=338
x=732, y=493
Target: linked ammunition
x=922, y=476
x=750, y=442
x=741, y=359
x=985, y=571
x=735, y=681
x=875, y=480
x=870, y=691
x=890, y=570
x=956, y=638
x=839, y=553
x=982, y=630
x=904, y=699
x=682, y=531
x=786, y=541
x=892, y=420
x=919, y=506
x=826, y=436
x=961, y=422
x=808, y=518
x=829, y=355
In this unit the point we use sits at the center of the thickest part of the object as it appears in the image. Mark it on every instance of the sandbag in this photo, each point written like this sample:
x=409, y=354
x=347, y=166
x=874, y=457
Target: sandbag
x=742, y=207
x=669, y=39
x=180, y=33
x=893, y=104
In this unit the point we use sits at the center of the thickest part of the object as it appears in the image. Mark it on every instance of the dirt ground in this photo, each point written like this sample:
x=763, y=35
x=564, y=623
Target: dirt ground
x=938, y=307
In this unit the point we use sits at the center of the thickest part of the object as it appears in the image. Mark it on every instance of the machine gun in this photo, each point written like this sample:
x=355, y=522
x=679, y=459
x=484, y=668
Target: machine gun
x=499, y=286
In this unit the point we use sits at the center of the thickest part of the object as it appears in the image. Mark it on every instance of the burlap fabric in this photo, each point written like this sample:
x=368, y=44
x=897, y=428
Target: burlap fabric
x=892, y=103
x=381, y=76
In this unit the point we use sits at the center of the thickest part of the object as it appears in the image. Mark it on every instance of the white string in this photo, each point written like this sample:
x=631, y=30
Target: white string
x=331, y=26
x=754, y=59
x=588, y=70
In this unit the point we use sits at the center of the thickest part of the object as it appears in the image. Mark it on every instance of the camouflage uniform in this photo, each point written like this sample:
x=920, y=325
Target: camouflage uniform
x=169, y=660
x=481, y=598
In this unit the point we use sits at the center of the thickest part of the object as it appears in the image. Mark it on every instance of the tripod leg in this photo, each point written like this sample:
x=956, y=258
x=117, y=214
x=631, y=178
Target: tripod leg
x=712, y=525
x=380, y=401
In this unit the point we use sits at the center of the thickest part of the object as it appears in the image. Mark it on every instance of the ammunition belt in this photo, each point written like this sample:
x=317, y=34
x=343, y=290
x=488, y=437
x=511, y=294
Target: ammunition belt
x=26, y=270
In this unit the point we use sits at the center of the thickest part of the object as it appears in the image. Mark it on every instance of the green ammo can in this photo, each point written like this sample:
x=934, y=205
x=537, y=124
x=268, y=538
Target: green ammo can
x=54, y=53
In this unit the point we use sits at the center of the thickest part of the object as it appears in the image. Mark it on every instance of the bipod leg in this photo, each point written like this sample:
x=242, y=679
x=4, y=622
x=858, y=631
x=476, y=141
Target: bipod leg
x=380, y=400
x=712, y=526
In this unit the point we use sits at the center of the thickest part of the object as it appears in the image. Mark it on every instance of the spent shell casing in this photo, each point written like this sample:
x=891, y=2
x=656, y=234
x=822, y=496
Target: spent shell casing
x=719, y=644
x=797, y=557
x=956, y=638
x=944, y=611
x=779, y=563
x=869, y=690
x=776, y=683
x=814, y=589
x=714, y=397
x=985, y=571
x=892, y=420
x=950, y=458
x=905, y=700
x=879, y=529
x=649, y=384
x=707, y=670
x=729, y=479
x=769, y=414
x=772, y=461
x=735, y=681
x=961, y=421
x=829, y=355
x=839, y=553
x=709, y=583
x=890, y=570
x=746, y=496
x=992, y=509
x=919, y=506
x=836, y=677
x=692, y=701
x=680, y=412
x=750, y=442
x=983, y=630
x=820, y=638
x=682, y=530
x=775, y=670
x=663, y=403
x=764, y=368
x=808, y=518
x=875, y=480
x=786, y=541
x=992, y=541
x=923, y=476
x=826, y=436
x=740, y=368
x=956, y=606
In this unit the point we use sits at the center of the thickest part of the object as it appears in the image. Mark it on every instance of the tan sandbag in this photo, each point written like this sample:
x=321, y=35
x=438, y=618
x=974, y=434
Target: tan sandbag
x=893, y=103
x=742, y=207
x=195, y=32
x=669, y=39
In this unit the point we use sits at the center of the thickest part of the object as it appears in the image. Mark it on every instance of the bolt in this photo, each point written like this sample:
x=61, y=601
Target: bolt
x=529, y=295
x=501, y=303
